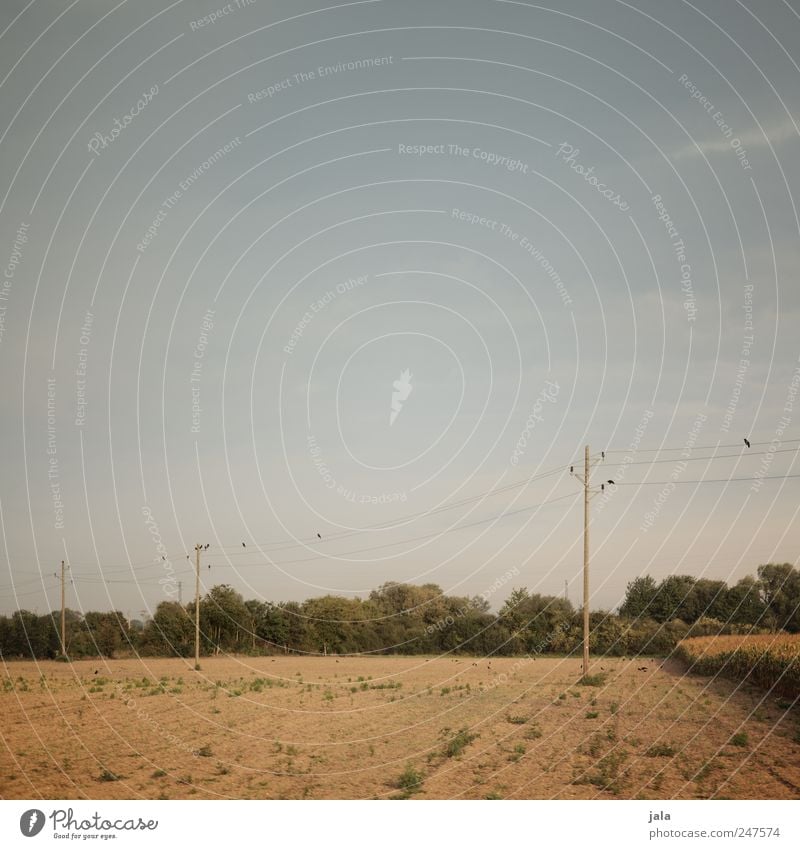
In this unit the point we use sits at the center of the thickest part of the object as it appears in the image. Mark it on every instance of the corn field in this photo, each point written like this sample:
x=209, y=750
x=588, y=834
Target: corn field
x=771, y=661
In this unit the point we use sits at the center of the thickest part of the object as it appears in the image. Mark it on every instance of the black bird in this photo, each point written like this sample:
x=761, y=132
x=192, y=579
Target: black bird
x=163, y=558
x=243, y=545
x=612, y=483
x=320, y=536
x=747, y=442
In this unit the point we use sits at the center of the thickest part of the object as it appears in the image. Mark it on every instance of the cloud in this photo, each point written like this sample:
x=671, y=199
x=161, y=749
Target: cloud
x=751, y=139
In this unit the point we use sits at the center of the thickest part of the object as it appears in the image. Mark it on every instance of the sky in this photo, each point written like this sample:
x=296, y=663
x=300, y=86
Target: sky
x=342, y=290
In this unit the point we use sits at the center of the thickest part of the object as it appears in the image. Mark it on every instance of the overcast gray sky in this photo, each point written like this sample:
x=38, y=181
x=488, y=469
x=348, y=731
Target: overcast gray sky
x=228, y=230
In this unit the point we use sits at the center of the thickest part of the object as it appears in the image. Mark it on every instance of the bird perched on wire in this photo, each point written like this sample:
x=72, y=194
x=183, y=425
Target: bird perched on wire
x=747, y=442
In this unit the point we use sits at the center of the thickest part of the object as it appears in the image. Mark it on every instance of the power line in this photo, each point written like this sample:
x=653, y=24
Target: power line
x=408, y=539
x=708, y=480
x=695, y=447
x=714, y=457
x=237, y=549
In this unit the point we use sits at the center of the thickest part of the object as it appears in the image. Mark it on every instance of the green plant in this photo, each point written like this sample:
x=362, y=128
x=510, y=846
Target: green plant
x=532, y=733
x=159, y=773
x=107, y=775
x=592, y=714
x=410, y=781
x=660, y=750
x=204, y=752
x=614, y=707
x=460, y=740
x=517, y=720
x=739, y=739
x=596, y=680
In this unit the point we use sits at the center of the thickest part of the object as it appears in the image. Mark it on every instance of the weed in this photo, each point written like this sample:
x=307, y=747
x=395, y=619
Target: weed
x=204, y=752
x=660, y=750
x=592, y=714
x=596, y=680
x=159, y=773
x=456, y=745
x=607, y=774
x=739, y=739
x=107, y=775
x=517, y=720
x=614, y=707
x=410, y=781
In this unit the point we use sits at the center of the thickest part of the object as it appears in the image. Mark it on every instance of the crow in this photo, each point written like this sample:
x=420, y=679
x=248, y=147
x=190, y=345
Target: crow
x=243, y=545
x=319, y=536
x=747, y=442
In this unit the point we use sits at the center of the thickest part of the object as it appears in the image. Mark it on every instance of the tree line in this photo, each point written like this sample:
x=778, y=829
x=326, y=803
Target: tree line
x=420, y=619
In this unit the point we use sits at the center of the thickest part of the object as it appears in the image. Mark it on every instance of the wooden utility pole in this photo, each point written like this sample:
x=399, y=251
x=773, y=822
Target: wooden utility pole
x=586, y=562
x=63, y=610
x=197, y=550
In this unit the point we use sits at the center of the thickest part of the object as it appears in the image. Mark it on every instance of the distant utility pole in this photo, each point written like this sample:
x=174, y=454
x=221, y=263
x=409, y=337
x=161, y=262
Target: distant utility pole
x=586, y=561
x=180, y=593
x=197, y=550
x=566, y=590
x=63, y=611
x=588, y=492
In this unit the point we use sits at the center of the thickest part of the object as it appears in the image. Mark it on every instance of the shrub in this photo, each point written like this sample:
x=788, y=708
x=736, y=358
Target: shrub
x=456, y=745
x=410, y=781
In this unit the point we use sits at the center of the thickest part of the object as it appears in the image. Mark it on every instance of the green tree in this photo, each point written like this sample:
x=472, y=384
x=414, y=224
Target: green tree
x=169, y=632
x=639, y=597
x=780, y=592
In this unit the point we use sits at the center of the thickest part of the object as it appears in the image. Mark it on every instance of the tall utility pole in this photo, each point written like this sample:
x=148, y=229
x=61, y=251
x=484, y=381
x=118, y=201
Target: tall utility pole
x=588, y=492
x=197, y=550
x=586, y=561
x=63, y=611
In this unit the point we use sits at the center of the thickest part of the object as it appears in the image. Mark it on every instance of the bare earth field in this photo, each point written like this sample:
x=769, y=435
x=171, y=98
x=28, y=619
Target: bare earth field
x=343, y=728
